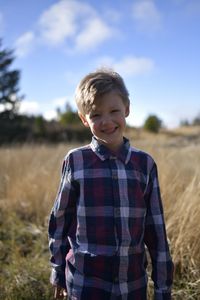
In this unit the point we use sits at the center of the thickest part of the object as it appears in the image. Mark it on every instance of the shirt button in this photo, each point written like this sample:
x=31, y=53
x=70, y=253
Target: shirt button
x=114, y=175
x=113, y=157
x=117, y=212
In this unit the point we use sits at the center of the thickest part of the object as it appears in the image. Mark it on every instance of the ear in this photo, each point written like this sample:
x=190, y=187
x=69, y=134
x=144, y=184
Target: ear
x=127, y=111
x=83, y=119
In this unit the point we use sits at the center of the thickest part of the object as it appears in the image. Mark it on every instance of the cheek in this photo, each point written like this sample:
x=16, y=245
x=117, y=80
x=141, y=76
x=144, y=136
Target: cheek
x=95, y=127
x=122, y=120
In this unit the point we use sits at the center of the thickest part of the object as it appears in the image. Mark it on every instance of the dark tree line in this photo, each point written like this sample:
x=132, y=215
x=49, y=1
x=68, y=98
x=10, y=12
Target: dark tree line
x=22, y=128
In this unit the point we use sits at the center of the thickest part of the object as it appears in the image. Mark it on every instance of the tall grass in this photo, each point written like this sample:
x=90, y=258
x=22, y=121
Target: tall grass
x=179, y=174
x=29, y=177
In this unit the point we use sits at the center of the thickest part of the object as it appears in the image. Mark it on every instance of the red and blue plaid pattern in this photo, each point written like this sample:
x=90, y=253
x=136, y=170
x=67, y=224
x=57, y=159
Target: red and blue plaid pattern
x=108, y=208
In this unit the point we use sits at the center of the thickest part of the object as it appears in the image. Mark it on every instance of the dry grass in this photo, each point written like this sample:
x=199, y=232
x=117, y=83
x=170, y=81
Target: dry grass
x=29, y=177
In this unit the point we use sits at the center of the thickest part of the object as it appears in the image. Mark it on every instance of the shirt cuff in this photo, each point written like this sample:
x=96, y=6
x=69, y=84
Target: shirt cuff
x=58, y=278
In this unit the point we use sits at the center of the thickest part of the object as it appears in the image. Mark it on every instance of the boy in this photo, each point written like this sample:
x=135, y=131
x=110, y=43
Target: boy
x=108, y=206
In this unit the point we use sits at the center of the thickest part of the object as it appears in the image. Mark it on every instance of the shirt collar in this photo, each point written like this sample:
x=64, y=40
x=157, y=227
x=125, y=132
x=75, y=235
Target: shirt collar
x=104, y=153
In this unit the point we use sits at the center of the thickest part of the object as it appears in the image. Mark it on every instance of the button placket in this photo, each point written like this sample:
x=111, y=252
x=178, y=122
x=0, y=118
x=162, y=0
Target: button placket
x=117, y=212
x=113, y=157
x=114, y=174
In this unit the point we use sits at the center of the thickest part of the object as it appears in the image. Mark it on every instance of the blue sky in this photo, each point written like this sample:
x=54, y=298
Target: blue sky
x=154, y=45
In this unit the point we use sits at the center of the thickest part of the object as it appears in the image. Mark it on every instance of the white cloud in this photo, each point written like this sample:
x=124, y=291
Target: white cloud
x=49, y=111
x=95, y=32
x=129, y=65
x=72, y=24
x=50, y=115
x=146, y=15
x=59, y=22
x=134, y=65
x=60, y=101
x=29, y=107
x=24, y=43
x=5, y=106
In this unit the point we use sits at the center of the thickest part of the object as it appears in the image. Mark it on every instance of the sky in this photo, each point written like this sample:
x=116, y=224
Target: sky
x=153, y=44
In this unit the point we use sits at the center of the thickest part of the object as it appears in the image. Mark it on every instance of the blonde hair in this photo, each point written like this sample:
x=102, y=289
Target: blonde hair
x=96, y=84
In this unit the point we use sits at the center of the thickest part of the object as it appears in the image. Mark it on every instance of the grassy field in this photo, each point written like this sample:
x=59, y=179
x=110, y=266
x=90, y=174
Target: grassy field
x=29, y=177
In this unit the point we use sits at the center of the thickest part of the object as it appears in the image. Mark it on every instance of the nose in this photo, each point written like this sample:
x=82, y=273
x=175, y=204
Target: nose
x=105, y=120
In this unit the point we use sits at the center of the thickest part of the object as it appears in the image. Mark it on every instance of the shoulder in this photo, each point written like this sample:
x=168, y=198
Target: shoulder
x=78, y=151
x=141, y=159
x=141, y=153
x=76, y=158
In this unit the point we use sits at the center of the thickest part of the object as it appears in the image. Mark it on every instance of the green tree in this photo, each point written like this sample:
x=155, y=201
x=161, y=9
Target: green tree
x=196, y=121
x=184, y=122
x=68, y=117
x=39, y=126
x=152, y=124
x=9, y=85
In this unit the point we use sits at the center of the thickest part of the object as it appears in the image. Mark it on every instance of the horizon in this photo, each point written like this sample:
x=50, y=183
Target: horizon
x=154, y=46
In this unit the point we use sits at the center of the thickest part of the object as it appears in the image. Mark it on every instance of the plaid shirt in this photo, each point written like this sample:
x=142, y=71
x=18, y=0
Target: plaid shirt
x=107, y=209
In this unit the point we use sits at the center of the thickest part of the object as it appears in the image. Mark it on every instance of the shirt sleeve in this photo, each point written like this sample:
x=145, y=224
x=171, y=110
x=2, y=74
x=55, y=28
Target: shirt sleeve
x=61, y=222
x=156, y=240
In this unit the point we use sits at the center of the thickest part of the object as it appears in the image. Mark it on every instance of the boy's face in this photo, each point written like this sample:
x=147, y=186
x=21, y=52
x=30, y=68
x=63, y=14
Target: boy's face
x=106, y=120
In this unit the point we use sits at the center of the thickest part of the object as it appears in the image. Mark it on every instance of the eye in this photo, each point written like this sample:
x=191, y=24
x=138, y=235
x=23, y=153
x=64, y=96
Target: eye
x=114, y=110
x=95, y=115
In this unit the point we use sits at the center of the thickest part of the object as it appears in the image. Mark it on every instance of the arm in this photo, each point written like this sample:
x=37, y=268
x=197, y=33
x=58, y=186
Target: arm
x=61, y=221
x=156, y=240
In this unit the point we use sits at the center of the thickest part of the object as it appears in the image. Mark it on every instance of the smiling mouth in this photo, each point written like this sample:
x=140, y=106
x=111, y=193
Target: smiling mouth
x=110, y=131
